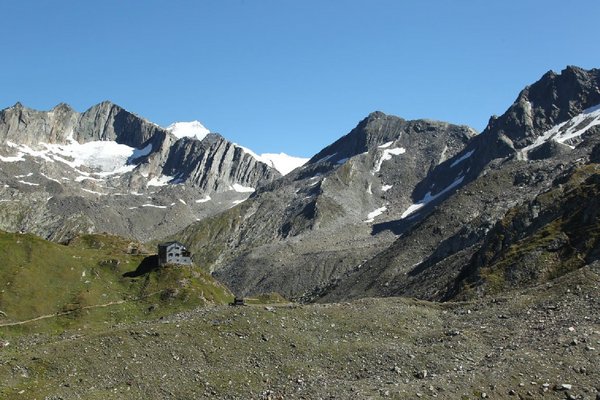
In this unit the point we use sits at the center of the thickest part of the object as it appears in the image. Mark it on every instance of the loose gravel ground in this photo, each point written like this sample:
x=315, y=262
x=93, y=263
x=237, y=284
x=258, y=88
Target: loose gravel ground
x=543, y=342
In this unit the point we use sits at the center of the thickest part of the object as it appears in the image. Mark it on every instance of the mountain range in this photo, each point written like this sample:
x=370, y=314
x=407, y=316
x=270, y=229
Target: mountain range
x=419, y=208
x=411, y=208
x=66, y=173
x=407, y=259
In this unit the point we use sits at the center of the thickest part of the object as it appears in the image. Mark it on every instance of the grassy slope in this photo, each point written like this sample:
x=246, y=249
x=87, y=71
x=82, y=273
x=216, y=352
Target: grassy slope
x=39, y=278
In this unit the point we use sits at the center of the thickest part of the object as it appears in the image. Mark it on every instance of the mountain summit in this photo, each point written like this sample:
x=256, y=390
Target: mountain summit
x=399, y=208
x=189, y=129
x=65, y=173
x=320, y=220
x=508, y=222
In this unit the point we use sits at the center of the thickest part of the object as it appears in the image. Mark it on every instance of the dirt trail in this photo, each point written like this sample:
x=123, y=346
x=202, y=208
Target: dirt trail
x=59, y=314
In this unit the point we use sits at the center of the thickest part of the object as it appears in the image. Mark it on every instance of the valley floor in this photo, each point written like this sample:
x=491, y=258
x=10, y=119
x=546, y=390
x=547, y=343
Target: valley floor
x=543, y=342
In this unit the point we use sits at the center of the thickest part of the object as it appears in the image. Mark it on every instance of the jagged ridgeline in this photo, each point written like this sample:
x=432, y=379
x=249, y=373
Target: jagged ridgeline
x=506, y=221
x=393, y=208
x=66, y=173
x=414, y=208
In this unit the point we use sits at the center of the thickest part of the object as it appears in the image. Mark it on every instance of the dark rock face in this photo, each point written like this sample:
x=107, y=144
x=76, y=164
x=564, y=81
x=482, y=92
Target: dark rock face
x=548, y=150
x=162, y=187
x=328, y=216
x=502, y=176
x=26, y=126
x=553, y=99
x=379, y=128
x=107, y=121
x=214, y=164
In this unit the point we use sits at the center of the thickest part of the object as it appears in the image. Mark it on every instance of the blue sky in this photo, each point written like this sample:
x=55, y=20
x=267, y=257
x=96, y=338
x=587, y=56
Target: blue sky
x=291, y=76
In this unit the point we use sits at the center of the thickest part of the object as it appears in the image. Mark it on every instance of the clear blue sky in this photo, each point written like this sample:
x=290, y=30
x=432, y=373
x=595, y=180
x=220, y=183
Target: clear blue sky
x=292, y=76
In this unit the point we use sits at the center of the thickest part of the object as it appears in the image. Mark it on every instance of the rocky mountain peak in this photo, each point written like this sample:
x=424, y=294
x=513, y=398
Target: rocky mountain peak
x=552, y=99
x=64, y=107
x=375, y=115
x=379, y=129
x=78, y=165
x=108, y=121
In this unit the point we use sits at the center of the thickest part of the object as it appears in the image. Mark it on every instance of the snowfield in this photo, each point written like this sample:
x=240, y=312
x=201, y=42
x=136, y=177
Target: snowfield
x=371, y=216
x=192, y=129
x=280, y=161
x=107, y=157
x=429, y=198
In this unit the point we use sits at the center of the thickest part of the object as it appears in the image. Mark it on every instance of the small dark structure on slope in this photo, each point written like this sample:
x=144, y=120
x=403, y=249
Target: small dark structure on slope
x=173, y=253
x=238, y=301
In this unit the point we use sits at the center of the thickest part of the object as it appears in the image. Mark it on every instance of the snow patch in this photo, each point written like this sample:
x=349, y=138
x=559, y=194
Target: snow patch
x=462, y=158
x=137, y=153
x=50, y=179
x=569, y=129
x=385, y=188
x=153, y=206
x=108, y=157
x=387, y=155
x=28, y=183
x=26, y=150
x=429, y=198
x=282, y=162
x=83, y=178
x=182, y=202
x=162, y=180
x=371, y=216
x=325, y=158
x=242, y=189
x=236, y=202
x=188, y=129
x=203, y=200
x=93, y=192
x=18, y=157
x=386, y=145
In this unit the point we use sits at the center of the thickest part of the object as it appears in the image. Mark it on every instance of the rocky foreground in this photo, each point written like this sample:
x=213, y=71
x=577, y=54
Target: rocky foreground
x=542, y=342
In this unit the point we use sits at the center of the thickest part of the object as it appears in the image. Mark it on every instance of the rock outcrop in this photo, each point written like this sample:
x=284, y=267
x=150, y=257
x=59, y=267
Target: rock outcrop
x=215, y=164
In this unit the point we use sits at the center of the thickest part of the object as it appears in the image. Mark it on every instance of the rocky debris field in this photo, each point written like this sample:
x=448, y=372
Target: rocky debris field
x=542, y=342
